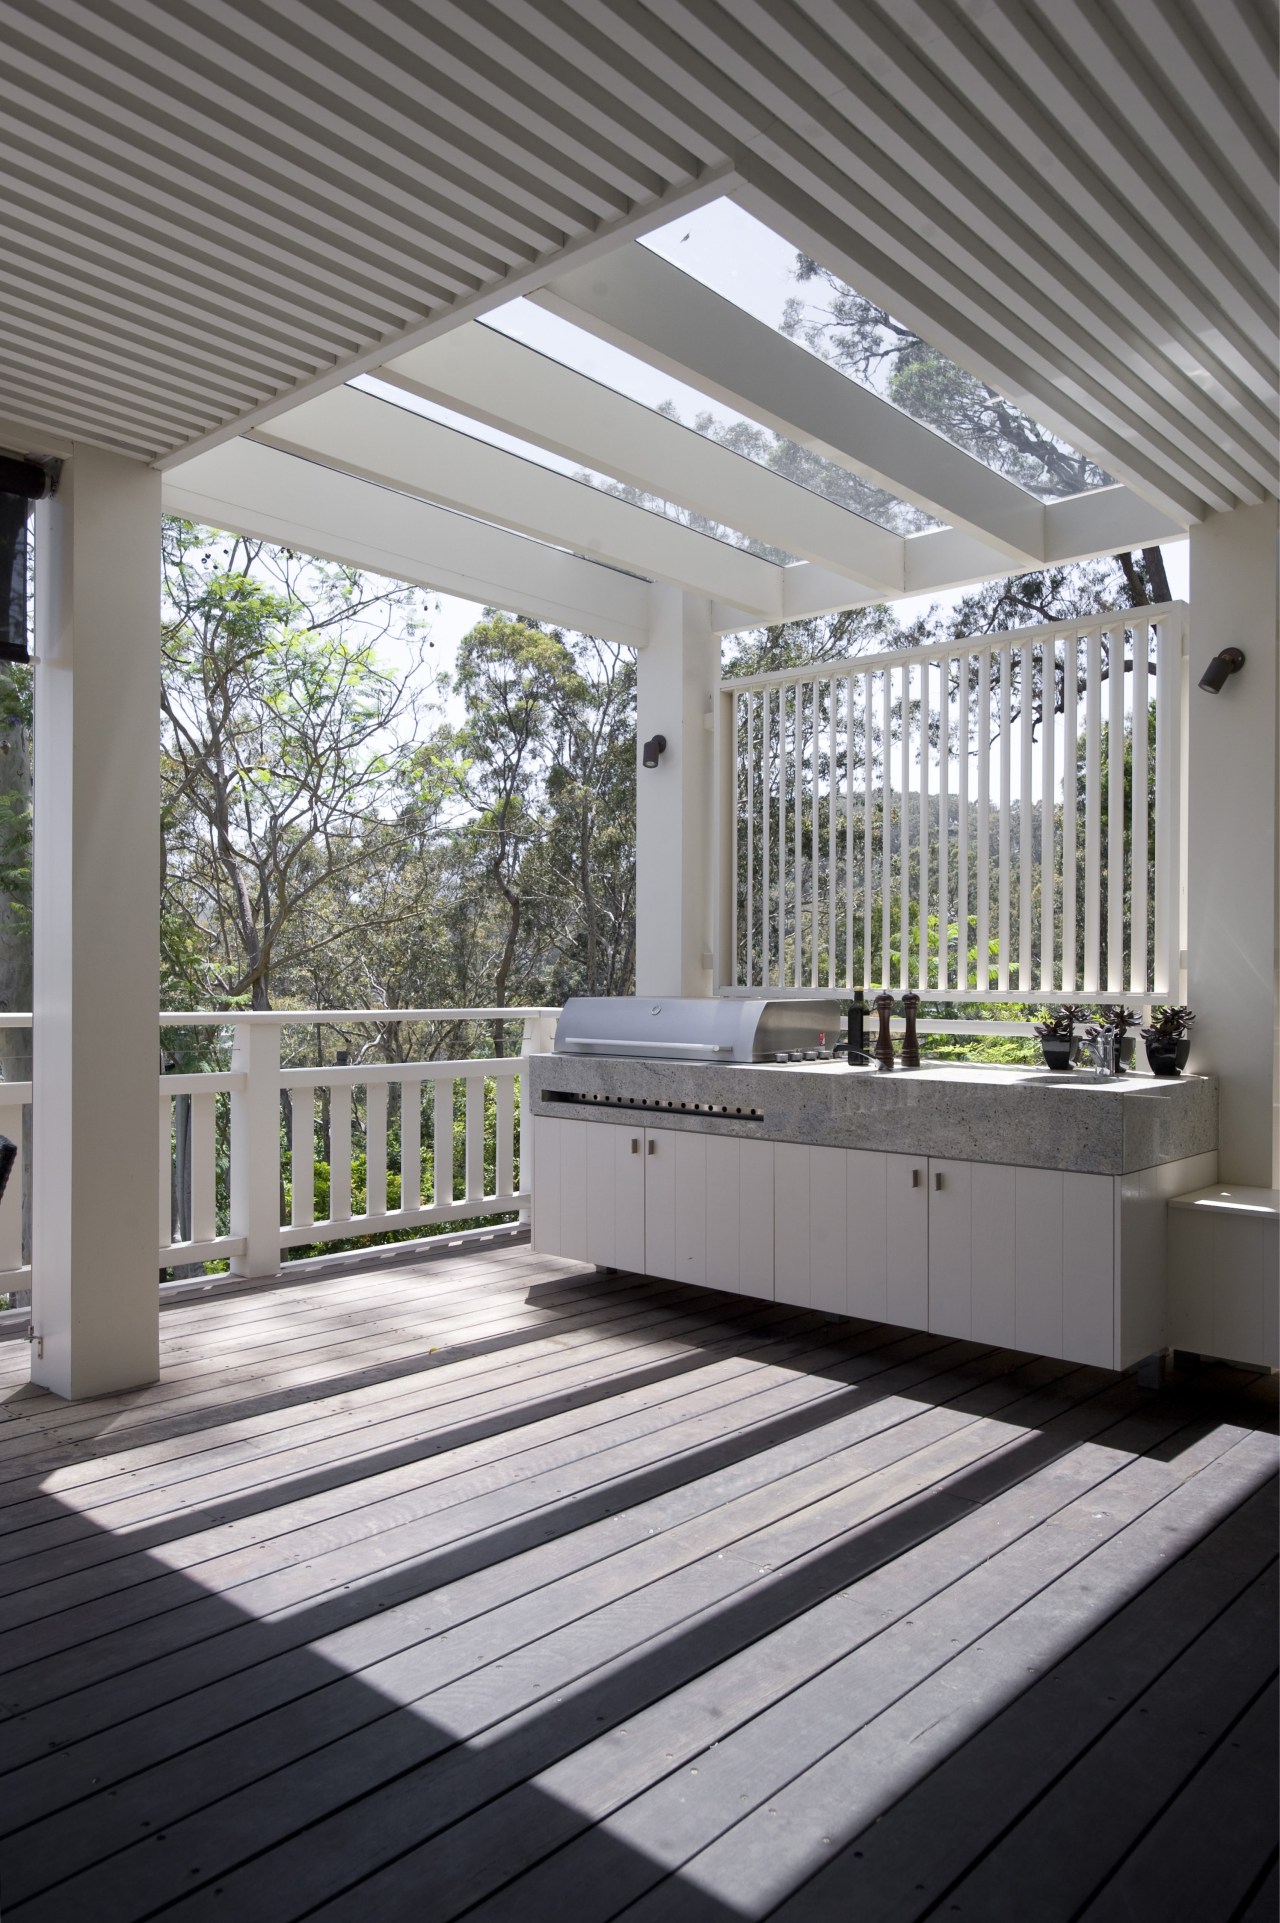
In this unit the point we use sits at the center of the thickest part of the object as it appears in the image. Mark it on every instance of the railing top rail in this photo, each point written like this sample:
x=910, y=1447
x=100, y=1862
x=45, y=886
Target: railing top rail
x=999, y=640
x=311, y=1017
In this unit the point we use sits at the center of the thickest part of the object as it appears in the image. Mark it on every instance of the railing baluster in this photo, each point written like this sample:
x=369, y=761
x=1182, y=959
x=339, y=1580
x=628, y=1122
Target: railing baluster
x=766, y=850
x=1006, y=783
x=340, y=1152
x=1026, y=821
x=749, y=972
x=375, y=1148
x=904, y=836
x=924, y=830
x=1048, y=848
x=504, y=1100
x=797, y=804
x=962, y=826
x=204, y=1207
x=411, y=1144
x=1140, y=845
x=1168, y=971
x=475, y=1137
x=863, y=974
x=886, y=829
x=832, y=846
x=302, y=1210
x=982, y=848
x=1070, y=785
x=944, y=824
x=442, y=1140
x=167, y=1224
x=11, y=1206
x=1115, y=810
x=1092, y=812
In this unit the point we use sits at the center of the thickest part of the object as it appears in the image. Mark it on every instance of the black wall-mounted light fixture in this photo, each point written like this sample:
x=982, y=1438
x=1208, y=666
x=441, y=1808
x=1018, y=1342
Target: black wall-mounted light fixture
x=21, y=483
x=653, y=750
x=1220, y=669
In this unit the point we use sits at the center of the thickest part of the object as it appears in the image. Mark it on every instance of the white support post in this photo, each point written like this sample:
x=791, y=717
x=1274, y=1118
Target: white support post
x=1233, y=838
x=255, y=1148
x=95, y=1273
x=677, y=678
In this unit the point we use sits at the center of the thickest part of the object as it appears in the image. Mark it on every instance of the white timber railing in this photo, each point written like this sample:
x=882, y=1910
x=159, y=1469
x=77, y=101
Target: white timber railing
x=229, y=1190
x=954, y=819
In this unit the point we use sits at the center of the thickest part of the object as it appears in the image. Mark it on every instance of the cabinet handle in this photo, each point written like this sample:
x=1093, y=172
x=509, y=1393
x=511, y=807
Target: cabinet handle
x=652, y=1146
x=635, y=1145
x=937, y=1180
x=915, y=1178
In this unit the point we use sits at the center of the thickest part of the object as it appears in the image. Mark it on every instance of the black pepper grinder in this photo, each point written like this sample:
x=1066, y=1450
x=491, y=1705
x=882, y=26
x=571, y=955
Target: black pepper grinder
x=910, y=1041
x=857, y=1028
x=884, y=1041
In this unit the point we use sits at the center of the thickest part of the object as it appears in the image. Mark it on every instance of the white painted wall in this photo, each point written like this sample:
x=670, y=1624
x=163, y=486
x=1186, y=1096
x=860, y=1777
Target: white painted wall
x=1233, y=838
x=677, y=675
x=95, y=1300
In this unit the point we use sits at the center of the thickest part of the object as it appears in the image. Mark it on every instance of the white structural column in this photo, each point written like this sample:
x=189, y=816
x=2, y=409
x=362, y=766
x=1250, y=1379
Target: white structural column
x=676, y=679
x=95, y=1305
x=1232, y=837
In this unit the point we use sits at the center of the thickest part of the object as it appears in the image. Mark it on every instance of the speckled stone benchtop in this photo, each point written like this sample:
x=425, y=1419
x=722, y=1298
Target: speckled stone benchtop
x=1022, y=1117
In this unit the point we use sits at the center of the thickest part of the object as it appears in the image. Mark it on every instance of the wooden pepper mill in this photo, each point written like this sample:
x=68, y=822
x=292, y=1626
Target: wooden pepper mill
x=883, y=1050
x=910, y=1041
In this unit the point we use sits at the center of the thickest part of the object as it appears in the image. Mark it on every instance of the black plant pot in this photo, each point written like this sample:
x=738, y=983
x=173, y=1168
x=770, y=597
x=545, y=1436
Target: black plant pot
x=1057, y=1054
x=1168, y=1058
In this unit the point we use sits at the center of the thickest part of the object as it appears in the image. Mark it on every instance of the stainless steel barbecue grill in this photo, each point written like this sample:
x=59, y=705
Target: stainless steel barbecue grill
x=686, y=1029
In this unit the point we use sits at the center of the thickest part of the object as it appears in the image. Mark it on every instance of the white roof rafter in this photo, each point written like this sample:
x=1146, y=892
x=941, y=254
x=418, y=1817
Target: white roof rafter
x=361, y=434
x=500, y=381
x=638, y=301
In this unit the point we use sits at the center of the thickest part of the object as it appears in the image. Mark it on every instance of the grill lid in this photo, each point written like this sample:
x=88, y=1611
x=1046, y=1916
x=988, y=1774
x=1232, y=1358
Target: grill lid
x=693, y=1029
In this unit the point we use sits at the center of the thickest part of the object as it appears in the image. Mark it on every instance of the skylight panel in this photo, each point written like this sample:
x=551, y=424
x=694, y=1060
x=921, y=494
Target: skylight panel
x=745, y=262
x=599, y=360
x=479, y=430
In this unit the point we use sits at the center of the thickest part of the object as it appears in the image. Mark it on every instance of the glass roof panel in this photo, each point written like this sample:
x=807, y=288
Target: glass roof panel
x=543, y=457
x=738, y=257
x=584, y=352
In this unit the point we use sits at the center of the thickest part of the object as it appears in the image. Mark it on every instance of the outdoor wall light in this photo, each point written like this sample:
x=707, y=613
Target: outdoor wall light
x=653, y=750
x=1220, y=669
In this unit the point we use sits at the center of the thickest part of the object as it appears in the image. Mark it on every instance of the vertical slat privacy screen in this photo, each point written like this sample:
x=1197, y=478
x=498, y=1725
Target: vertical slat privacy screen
x=953, y=819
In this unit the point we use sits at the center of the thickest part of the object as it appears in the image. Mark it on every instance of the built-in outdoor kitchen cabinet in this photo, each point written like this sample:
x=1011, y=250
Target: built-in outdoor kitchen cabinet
x=663, y=1202
x=1023, y=1257
x=1053, y=1262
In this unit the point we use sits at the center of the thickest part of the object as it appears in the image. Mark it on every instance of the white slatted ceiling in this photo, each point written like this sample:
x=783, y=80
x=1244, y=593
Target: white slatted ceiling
x=209, y=207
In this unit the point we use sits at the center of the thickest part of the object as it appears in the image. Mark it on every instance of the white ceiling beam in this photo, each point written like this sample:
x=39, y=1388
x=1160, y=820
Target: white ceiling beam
x=498, y=380
x=361, y=434
x=652, y=309
x=248, y=488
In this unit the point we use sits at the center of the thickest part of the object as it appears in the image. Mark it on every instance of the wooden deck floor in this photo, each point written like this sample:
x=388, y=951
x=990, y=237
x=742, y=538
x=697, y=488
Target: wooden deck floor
x=496, y=1587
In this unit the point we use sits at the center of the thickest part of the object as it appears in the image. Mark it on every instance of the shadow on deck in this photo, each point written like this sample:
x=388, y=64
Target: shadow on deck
x=500, y=1588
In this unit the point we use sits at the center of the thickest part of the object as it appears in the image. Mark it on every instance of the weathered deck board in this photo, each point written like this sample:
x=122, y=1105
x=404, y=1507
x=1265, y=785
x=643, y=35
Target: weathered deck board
x=498, y=1583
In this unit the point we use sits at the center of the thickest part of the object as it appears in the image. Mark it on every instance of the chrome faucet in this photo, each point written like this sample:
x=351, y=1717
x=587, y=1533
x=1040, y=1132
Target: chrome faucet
x=1098, y=1052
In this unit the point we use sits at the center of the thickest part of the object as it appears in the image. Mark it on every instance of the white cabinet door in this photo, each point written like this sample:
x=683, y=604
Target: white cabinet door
x=791, y=1223
x=1037, y=1231
x=1089, y=1269
x=828, y=1251
x=867, y=1234
x=907, y=1241
x=755, y=1254
x=544, y=1234
x=951, y=1248
x=602, y=1195
x=660, y=1202
x=690, y=1156
x=991, y=1213
x=628, y=1177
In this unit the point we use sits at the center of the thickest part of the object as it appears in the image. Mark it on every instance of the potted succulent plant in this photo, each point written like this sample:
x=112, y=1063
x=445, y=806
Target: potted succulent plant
x=1057, y=1035
x=1120, y=1020
x=1168, y=1039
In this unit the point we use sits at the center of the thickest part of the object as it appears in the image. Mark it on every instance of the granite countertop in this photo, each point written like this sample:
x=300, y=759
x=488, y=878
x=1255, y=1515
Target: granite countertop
x=1025, y=1117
